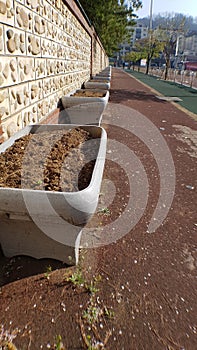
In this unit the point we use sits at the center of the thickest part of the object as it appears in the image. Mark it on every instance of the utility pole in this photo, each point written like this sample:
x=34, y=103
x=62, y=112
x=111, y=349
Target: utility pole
x=150, y=36
x=151, y=15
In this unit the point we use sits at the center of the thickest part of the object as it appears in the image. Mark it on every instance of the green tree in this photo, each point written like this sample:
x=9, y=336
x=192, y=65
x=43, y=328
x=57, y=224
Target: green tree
x=147, y=48
x=134, y=57
x=111, y=19
x=150, y=48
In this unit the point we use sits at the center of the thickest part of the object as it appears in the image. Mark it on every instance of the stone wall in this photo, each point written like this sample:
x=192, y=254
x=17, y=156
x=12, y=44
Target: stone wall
x=47, y=49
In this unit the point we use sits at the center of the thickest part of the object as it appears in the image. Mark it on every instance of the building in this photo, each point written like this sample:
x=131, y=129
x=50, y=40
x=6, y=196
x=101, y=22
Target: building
x=186, y=48
x=137, y=32
x=191, y=45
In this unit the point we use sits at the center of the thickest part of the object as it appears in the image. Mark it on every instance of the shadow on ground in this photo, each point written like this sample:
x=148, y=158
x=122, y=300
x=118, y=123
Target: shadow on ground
x=125, y=95
x=19, y=267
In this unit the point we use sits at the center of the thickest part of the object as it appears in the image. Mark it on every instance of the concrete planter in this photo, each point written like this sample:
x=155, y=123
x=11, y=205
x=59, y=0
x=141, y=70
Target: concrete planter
x=83, y=96
x=45, y=224
x=97, y=84
x=105, y=73
x=85, y=109
x=107, y=70
x=101, y=78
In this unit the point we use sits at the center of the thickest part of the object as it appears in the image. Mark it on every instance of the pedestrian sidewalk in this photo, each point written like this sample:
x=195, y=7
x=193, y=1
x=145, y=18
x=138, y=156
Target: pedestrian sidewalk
x=159, y=267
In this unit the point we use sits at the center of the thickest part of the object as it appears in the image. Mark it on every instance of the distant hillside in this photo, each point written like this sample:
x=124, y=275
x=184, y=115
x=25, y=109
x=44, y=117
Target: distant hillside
x=160, y=20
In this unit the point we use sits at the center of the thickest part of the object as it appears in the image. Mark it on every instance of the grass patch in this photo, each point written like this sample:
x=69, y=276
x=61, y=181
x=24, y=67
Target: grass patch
x=169, y=88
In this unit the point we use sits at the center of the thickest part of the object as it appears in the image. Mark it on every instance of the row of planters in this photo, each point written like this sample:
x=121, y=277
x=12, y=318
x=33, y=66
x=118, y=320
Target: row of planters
x=50, y=177
x=87, y=105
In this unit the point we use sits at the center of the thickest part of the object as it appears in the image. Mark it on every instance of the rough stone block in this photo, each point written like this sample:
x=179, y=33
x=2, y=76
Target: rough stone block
x=26, y=69
x=47, y=10
x=39, y=25
x=11, y=125
x=49, y=48
x=7, y=12
x=8, y=71
x=50, y=30
x=32, y=4
x=19, y=97
x=29, y=115
x=40, y=68
x=51, y=67
x=62, y=52
x=2, y=43
x=53, y=101
x=23, y=18
x=4, y=104
x=14, y=41
x=43, y=109
x=36, y=91
x=47, y=87
x=33, y=45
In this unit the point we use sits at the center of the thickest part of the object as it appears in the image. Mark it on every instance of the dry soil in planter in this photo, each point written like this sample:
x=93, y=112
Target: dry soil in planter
x=68, y=166
x=86, y=93
x=95, y=80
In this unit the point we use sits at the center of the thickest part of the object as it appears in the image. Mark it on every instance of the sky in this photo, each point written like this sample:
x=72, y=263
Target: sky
x=187, y=7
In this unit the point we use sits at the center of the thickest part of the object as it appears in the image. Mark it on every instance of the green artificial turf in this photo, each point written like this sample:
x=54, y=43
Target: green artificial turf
x=167, y=88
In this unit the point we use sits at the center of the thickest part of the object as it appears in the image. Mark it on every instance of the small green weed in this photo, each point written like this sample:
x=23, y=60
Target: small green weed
x=59, y=345
x=105, y=211
x=108, y=312
x=92, y=286
x=77, y=278
x=90, y=342
x=38, y=183
x=47, y=273
x=92, y=313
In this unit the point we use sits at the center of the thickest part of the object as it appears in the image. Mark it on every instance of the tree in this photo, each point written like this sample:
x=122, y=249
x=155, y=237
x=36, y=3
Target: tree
x=150, y=48
x=163, y=21
x=168, y=34
x=133, y=57
x=159, y=20
x=111, y=20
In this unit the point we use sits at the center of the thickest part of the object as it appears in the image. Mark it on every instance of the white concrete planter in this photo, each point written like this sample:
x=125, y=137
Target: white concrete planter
x=74, y=99
x=107, y=70
x=43, y=224
x=84, y=109
x=101, y=78
x=97, y=84
x=104, y=73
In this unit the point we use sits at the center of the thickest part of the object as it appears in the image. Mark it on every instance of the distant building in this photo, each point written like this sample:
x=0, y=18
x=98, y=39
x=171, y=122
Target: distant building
x=191, y=45
x=137, y=32
x=125, y=48
x=187, y=47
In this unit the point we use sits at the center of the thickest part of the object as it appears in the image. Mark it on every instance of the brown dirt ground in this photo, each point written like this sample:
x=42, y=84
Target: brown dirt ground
x=147, y=292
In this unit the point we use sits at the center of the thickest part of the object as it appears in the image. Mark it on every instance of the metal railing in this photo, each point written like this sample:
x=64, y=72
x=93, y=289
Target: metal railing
x=183, y=77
